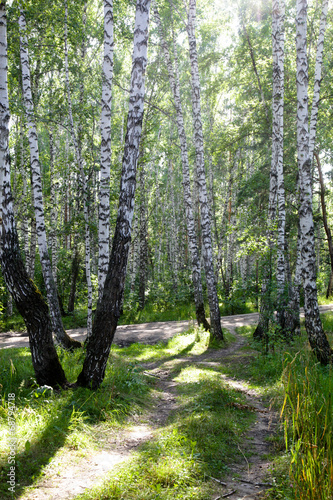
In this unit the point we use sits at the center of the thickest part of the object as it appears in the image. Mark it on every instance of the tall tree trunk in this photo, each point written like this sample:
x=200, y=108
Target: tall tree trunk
x=75, y=268
x=190, y=223
x=326, y=227
x=316, y=334
x=108, y=309
x=54, y=215
x=276, y=185
x=80, y=164
x=52, y=295
x=215, y=320
x=28, y=299
x=277, y=153
x=104, y=175
x=142, y=238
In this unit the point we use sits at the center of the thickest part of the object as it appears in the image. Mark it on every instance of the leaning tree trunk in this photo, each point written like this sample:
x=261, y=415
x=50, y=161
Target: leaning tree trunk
x=313, y=325
x=28, y=299
x=104, y=175
x=190, y=223
x=207, y=252
x=51, y=290
x=108, y=308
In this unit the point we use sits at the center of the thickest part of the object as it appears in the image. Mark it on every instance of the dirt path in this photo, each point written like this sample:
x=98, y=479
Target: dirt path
x=146, y=333
x=72, y=473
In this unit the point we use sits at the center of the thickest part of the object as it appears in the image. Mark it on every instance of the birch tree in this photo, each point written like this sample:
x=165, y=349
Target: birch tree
x=51, y=290
x=104, y=176
x=207, y=252
x=276, y=186
x=80, y=163
x=28, y=299
x=313, y=325
x=278, y=15
x=173, y=73
x=108, y=308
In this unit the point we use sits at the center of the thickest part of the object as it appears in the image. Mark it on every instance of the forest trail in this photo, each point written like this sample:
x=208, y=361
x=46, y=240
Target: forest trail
x=145, y=333
x=72, y=472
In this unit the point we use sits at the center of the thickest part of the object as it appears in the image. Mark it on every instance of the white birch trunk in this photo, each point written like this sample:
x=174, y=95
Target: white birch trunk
x=51, y=290
x=104, y=175
x=108, y=308
x=79, y=161
x=54, y=212
x=317, y=79
x=316, y=334
x=28, y=299
x=25, y=196
x=190, y=223
x=277, y=151
x=207, y=252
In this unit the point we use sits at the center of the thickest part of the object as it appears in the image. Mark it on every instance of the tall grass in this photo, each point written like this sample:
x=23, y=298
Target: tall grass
x=308, y=416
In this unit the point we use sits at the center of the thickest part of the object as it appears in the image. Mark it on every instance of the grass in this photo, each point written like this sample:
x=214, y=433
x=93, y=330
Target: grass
x=48, y=423
x=301, y=390
x=198, y=442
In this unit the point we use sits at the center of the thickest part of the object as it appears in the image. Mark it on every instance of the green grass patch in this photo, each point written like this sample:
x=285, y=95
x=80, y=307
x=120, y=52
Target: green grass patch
x=200, y=441
x=48, y=422
x=302, y=392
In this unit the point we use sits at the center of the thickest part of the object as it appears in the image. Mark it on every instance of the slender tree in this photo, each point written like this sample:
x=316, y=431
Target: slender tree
x=28, y=299
x=104, y=175
x=83, y=177
x=316, y=334
x=207, y=252
x=278, y=15
x=173, y=73
x=51, y=290
x=108, y=308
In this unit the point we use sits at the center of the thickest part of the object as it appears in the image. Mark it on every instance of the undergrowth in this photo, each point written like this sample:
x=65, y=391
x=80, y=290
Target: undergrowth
x=198, y=441
x=301, y=390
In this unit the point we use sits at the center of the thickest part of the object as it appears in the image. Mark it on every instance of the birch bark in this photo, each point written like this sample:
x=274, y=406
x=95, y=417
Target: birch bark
x=54, y=214
x=190, y=223
x=51, y=290
x=278, y=16
x=80, y=164
x=316, y=334
x=104, y=175
x=108, y=309
x=215, y=320
x=28, y=299
x=276, y=185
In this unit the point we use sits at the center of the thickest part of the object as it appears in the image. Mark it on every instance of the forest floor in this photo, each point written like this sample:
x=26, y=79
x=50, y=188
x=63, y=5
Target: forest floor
x=76, y=471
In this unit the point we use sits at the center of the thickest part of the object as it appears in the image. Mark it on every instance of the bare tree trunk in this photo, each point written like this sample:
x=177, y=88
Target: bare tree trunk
x=190, y=224
x=277, y=153
x=142, y=239
x=104, y=176
x=80, y=164
x=28, y=299
x=51, y=290
x=75, y=268
x=326, y=227
x=316, y=334
x=207, y=252
x=108, y=309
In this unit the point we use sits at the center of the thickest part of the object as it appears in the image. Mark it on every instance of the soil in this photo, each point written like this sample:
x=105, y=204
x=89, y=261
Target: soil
x=73, y=471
